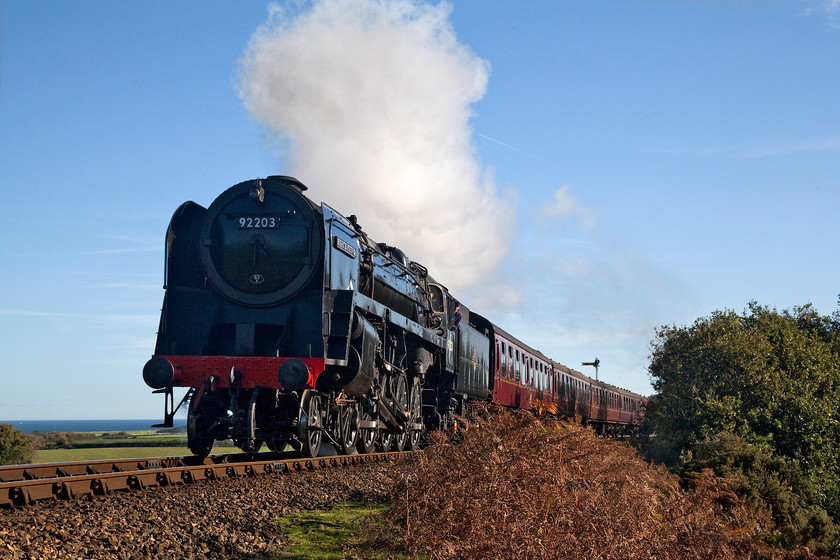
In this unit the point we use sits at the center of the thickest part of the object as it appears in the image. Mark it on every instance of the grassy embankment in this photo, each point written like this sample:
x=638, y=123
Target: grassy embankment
x=518, y=486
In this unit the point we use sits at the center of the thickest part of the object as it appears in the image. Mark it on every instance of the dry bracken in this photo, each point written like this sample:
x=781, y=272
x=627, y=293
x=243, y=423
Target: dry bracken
x=520, y=486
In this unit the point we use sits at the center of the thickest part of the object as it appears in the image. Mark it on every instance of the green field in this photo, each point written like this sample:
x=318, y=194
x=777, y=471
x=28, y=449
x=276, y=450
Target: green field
x=96, y=453
x=91, y=446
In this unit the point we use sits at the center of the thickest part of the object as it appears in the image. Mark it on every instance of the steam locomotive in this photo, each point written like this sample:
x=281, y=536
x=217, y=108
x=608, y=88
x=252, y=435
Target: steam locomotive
x=288, y=324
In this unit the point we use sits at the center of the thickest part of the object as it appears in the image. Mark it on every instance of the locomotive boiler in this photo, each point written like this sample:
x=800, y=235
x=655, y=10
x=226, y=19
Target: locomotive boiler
x=287, y=324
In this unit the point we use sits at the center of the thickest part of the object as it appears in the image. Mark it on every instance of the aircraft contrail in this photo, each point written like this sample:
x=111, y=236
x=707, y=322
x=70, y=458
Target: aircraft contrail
x=509, y=147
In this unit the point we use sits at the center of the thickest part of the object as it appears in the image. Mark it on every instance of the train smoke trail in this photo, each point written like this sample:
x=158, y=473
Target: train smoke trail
x=371, y=100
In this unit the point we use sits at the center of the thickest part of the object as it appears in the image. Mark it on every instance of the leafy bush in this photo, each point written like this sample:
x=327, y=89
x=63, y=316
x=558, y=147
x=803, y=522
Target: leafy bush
x=754, y=397
x=15, y=449
x=786, y=500
x=55, y=440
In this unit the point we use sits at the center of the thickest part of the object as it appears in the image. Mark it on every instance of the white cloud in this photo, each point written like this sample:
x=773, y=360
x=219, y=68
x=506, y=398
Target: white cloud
x=827, y=144
x=566, y=205
x=830, y=9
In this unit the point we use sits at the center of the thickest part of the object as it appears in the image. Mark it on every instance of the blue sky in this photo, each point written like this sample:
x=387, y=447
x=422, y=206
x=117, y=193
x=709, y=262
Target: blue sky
x=630, y=164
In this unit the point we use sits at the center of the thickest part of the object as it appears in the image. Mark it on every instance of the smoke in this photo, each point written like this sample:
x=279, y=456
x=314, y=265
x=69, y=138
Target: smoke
x=371, y=100
x=372, y=103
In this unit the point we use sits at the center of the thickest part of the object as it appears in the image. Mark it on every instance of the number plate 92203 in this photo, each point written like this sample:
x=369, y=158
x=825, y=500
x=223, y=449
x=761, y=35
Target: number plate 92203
x=254, y=222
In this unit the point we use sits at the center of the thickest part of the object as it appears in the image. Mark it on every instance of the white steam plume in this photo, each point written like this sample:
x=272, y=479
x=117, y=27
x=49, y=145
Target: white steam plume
x=372, y=99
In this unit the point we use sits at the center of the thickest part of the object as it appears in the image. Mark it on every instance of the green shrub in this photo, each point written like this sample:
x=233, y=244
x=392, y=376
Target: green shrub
x=776, y=487
x=770, y=378
x=15, y=449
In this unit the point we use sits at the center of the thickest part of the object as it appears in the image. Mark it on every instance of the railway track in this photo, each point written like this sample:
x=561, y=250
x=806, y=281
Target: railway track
x=23, y=485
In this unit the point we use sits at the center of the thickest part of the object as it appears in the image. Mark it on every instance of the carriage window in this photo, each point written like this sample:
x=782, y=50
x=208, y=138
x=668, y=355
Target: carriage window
x=517, y=372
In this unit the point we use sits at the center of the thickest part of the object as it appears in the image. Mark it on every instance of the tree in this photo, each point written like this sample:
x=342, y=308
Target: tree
x=15, y=449
x=769, y=378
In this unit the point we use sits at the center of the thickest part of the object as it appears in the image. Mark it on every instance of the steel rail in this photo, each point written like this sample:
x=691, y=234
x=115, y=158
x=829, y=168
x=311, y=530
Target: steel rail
x=22, y=485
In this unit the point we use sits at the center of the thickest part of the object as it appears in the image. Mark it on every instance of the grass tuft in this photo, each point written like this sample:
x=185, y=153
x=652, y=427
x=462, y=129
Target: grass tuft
x=325, y=534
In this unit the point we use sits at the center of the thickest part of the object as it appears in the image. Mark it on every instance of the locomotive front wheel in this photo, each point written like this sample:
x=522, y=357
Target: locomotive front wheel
x=310, y=425
x=197, y=426
x=348, y=428
x=250, y=445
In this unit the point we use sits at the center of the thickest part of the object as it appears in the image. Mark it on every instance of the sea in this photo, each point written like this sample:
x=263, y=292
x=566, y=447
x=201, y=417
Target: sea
x=44, y=426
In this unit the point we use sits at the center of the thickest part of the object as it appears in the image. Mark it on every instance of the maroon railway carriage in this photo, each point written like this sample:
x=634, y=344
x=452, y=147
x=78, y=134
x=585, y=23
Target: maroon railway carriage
x=523, y=377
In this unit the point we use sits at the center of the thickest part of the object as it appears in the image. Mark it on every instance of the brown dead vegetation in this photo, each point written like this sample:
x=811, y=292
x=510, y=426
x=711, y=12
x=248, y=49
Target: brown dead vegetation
x=519, y=486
